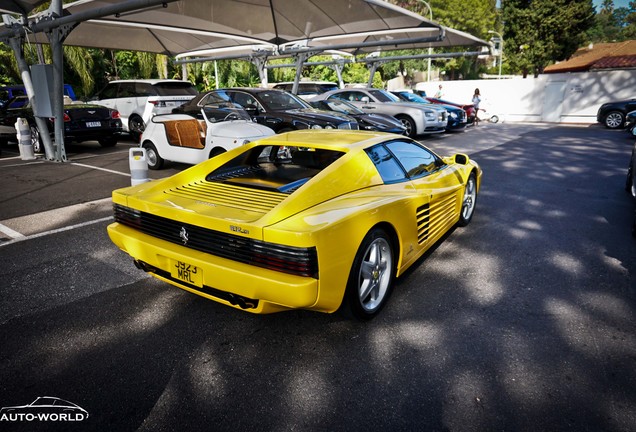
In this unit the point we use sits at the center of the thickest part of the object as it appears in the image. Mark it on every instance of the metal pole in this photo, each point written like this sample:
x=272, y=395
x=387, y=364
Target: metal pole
x=430, y=49
x=25, y=73
x=501, y=46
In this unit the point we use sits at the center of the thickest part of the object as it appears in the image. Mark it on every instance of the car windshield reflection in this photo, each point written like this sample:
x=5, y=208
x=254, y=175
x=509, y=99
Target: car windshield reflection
x=225, y=112
x=278, y=100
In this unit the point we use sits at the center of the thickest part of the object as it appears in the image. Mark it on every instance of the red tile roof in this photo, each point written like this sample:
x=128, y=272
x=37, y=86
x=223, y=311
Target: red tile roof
x=618, y=55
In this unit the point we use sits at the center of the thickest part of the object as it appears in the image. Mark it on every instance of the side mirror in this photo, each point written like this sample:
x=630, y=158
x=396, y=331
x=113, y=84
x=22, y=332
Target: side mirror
x=251, y=110
x=365, y=99
x=461, y=159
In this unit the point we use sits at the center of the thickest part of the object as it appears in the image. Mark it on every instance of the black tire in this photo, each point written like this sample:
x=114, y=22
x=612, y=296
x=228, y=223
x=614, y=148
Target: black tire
x=155, y=161
x=36, y=140
x=469, y=201
x=216, y=151
x=110, y=141
x=614, y=120
x=494, y=119
x=371, y=279
x=409, y=124
x=136, y=127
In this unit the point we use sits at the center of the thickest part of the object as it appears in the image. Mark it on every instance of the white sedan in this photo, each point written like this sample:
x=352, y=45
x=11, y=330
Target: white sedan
x=185, y=139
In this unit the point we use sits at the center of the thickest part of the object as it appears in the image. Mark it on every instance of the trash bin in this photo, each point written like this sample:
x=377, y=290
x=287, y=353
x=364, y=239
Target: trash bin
x=138, y=166
x=23, y=133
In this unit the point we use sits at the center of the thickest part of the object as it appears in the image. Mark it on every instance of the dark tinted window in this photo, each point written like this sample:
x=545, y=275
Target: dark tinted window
x=109, y=92
x=144, y=90
x=387, y=166
x=278, y=168
x=349, y=96
x=416, y=160
x=126, y=90
x=175, y=89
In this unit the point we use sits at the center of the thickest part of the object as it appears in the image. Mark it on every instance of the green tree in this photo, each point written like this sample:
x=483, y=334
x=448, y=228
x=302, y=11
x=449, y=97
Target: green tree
x=475, y=17
x=540, y=32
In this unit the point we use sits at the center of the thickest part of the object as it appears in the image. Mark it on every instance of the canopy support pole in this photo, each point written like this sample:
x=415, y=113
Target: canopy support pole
x=25, y=73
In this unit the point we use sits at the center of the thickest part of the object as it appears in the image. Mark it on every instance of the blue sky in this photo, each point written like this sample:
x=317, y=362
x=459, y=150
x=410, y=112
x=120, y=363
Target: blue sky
x=617, y=3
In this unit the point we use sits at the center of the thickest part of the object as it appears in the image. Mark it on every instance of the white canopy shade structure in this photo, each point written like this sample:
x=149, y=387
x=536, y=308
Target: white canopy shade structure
x=187, y=28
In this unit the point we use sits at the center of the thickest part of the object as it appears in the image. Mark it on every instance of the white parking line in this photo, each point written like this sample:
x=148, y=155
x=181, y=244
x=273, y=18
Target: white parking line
x=11, y=233
x=101, y=169
x=55, y=231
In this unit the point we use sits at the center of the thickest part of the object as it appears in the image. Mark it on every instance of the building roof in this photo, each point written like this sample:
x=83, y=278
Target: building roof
x=616, y=55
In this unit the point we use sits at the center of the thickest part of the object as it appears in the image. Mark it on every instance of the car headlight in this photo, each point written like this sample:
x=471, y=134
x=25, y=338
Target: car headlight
x=430, y=115
x=453, y=115
x=316, y=126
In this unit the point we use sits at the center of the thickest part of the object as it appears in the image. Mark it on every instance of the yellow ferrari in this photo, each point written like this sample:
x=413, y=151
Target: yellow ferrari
x=316, y=220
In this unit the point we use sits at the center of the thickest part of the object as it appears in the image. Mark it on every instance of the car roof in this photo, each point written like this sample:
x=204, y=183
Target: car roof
x=330, y=139
x=151, y=81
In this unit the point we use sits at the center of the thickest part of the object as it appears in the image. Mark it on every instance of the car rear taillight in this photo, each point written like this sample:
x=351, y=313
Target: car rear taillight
x=114, y=114
x=160, y=104
x=67, y=118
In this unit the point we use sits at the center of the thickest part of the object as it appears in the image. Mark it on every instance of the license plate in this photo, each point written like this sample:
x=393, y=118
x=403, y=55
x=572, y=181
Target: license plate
x=93, y=124
x=186, y=273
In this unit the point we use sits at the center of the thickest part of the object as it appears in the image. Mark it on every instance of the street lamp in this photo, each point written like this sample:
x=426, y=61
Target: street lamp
x=501, y=45
x=430, y=49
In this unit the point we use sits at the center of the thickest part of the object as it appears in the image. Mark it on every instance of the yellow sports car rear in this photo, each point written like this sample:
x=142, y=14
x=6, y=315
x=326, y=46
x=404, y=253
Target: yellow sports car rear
x=305, y=220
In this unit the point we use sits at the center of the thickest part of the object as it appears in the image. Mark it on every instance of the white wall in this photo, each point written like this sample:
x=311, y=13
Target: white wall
x=564, y=98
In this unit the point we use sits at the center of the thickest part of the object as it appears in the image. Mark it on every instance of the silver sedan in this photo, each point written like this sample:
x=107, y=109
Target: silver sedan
x=417, y=119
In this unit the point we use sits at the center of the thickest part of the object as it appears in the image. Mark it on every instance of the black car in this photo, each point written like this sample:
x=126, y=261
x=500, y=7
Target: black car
x=630, y=183
x=366, y=121
x=277, y=109
x=612, y=114
x=457, y=118
x=82, y=122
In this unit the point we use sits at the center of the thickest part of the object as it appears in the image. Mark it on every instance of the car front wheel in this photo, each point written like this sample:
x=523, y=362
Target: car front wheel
x=469, y=201
x=614, y=120
x=409, y=124
x=371, y=277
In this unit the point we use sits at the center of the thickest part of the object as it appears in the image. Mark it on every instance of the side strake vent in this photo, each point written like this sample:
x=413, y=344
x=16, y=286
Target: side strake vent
x=423, y=223
x=250, y=199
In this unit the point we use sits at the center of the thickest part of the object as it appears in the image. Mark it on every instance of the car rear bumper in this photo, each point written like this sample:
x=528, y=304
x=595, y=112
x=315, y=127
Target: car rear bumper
x=232, y=283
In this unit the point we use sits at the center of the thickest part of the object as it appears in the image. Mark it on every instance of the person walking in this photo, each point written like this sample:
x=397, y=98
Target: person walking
x=438, y=94
x=476, y=101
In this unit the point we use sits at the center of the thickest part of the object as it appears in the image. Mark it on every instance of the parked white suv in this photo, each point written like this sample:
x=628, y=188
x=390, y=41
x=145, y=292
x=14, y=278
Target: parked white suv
x=138, y=100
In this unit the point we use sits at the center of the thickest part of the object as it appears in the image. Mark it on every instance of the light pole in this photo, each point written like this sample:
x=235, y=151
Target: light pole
x=430, y=49
x=501, y=45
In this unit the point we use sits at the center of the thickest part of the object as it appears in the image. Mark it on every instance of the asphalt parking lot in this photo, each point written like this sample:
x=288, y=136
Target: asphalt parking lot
x=525, y=320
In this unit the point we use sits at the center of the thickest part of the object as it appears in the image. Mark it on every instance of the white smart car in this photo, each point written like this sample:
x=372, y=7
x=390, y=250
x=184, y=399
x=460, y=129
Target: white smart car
x=185, y=139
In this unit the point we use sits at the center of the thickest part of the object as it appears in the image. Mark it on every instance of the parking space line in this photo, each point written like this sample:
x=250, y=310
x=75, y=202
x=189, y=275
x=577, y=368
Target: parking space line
x=9, y=232
x=55, y=231
x=101, y=169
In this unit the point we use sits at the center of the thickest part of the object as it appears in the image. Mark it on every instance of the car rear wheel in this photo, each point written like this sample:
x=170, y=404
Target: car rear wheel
x=110, y=141
x=36, y=141
x=136, y=127
x=469, y=201
x=494, y=119
x=155, y=161
x=409, y=124
x=371, y=277
x=614, y=120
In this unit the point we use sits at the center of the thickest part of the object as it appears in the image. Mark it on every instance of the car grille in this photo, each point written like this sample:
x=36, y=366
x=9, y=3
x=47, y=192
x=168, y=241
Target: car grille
x=287, y=259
